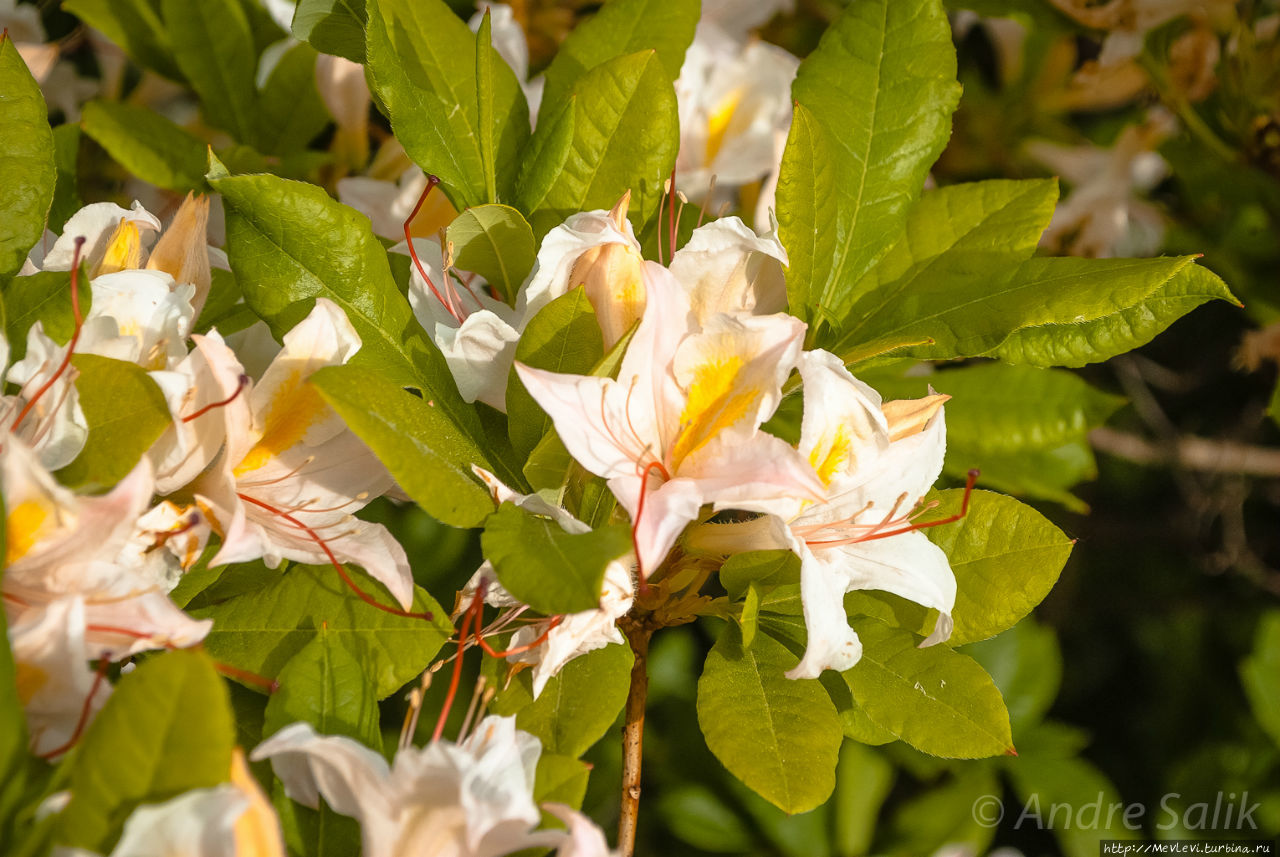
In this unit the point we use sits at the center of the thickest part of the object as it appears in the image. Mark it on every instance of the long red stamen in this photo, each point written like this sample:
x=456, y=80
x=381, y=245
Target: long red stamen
x=271, y=685
x=342, y=572
x=81, y=723
x=267, y=684
x=75, y=336
x=643, y=589
x=964, y=510
x=244, y=382
x=473, y=612
x=519, y=650
x=432, y=181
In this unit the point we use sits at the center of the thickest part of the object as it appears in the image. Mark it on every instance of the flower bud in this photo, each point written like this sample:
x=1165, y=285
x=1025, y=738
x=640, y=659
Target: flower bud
x=183, y=250
x=612, y=276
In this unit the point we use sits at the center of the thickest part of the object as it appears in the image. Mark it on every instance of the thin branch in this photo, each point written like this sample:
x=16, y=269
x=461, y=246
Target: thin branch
x=1190, y=453
x=632, y=740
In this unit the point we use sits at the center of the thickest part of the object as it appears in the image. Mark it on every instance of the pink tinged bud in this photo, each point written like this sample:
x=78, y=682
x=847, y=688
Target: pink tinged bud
x=183, y=251
x=612, y=276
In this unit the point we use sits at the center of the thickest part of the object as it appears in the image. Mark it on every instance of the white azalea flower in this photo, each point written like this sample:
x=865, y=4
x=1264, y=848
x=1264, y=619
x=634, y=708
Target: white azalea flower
x=471, y=799
x=61, y=546
x=58, y=691
x=276, y=471
x=45, y=414
x=680, y=425
x=735, y=105
x=1104, y=215
x=876, y=460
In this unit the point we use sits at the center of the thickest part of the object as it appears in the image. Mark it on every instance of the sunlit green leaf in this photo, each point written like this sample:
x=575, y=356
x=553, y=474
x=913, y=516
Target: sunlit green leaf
x=332, y=26
x=618, y=132
x=325, y=684
x=134, y=25
x=27, y=171
x=166, y=729
x=422, y=70
x=621, y=27
x=212, y=43
x=43, y=297
x=936, y=700
x=577, y=706
x=496, y=242
x=881, y=84
x=547, y=568
x=261, y=628
x=427, y=453
x=147, y=144
x=292, y=112
x=126, y=413
x=1006, y=557
x=780, y=737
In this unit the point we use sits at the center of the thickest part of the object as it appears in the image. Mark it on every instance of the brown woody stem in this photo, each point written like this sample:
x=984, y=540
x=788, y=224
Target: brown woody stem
x=633, y=738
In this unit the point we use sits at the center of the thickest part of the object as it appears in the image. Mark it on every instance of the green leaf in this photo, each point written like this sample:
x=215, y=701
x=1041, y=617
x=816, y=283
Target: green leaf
x=1025, y=428
x=315, y=832
x=66, y=193
x=43, y=297
x=325, y=685
x=147, y=144
x=13, y=730
x=126, y=413
x=780, y=737
x=577, y=706
x=27, y=171
x=970, y=310
x=1045, y=782
x=429, y=454
x=496, y=242
x=291, y=111
x=938, y=701
x=563, y=337
x=290, y=243
x=259, y=630
x=945, y=814
x=1260, y=675
x=762, y=567
x=963, y=234
x=165, y=730
x=1124, y=328
x=422, y=70
x=699, y=816
x=1006, y=557
x=863, y=781
x=560, y=779
x=882, y=85
x=484, y=104
x=212, y=43
x=332, y=27
x=1026, y=664
x=621, y=27
x=134, y=25
x=552, y=571
x=618, y=132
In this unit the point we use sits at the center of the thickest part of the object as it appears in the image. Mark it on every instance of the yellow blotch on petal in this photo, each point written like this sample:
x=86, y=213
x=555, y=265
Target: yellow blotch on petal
x=831, y=454
x=26, y=524
x=716, y=402
x=909, y=416
x=257, y=831
x=294, y=409
x=124, y=250
x=718, y=122
x=30, y=680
